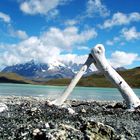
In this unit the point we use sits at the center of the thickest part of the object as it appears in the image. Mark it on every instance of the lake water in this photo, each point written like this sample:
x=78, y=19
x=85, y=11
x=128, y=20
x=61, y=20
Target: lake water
x=52, y=92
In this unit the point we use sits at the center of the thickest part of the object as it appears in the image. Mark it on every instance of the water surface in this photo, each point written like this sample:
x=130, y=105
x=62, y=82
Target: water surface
x=52, y=92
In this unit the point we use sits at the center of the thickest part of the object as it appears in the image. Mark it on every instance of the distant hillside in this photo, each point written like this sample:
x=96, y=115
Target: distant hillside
x=132, y=76
x=13, y=78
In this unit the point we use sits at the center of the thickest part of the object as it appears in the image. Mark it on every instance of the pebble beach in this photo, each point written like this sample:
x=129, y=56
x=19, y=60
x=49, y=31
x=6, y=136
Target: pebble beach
x=33, y=118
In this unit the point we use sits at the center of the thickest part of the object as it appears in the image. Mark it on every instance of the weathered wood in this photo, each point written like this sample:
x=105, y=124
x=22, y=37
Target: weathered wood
x=98, y=53
x=97, y=57
x=73, y=83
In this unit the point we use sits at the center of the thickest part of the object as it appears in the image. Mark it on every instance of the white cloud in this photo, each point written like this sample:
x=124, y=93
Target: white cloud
x=6, y=18
x=109, y=42
x=68, y=37
x=48, y=47
x=53, y=14
x=130, y=34
x=71, y=22
x=95, y=7
x=138, y=59
x=83, y=48
x=10, y=59
x=113, y=41
x=78, y=59
x=15, y=33
x=43, y=7
x=120, y=58
x=126, y=34
x=18, y=33
x=121, y=19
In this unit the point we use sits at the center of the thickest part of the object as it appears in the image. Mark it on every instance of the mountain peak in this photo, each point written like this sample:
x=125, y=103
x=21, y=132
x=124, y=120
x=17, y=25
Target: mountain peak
x=32, y=69
x=55, y=64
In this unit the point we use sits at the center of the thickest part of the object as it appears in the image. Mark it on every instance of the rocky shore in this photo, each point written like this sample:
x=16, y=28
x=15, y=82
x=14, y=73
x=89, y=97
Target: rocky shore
x=29, y=118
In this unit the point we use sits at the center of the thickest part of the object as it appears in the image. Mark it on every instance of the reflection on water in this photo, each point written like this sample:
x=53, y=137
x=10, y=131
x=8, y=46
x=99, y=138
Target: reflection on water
x=52, y=92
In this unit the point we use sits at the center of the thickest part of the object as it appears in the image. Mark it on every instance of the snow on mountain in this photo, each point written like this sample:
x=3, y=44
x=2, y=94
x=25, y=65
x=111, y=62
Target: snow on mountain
x=52, y=70
x=32, y=69
x=55, y=64
x=76, y=67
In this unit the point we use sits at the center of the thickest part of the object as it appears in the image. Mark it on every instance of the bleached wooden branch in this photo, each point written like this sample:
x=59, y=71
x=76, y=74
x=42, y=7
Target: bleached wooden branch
x=98, y=53
x=73, y=83
x=97, y=57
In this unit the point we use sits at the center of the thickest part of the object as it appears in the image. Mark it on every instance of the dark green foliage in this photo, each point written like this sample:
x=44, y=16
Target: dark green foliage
x=132, y=77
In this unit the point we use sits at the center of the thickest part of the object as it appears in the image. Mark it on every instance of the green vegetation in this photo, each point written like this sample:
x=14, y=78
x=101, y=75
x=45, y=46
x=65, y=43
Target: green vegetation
x=13, y=78
x=131, y=76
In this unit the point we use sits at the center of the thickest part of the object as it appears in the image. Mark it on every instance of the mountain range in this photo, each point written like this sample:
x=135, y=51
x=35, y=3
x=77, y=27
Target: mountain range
x=132, y=77
x=40, y=71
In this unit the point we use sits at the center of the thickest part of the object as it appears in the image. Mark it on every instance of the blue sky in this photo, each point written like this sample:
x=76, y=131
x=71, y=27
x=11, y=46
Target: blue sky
x=65, y=30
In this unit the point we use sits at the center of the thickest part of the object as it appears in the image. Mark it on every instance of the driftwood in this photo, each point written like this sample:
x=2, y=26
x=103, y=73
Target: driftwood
x=97, y=56
x=73, y=83
x=98, y=53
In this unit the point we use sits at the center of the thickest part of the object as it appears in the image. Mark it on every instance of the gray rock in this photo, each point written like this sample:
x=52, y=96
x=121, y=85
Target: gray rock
x=33, y=119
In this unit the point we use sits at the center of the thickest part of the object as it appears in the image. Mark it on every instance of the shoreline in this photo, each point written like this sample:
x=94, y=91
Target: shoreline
x=77, y=86
x=32, y=118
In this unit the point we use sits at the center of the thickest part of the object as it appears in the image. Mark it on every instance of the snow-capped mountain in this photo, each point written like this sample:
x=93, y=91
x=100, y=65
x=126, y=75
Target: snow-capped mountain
x=51, y=70
x=76, y=67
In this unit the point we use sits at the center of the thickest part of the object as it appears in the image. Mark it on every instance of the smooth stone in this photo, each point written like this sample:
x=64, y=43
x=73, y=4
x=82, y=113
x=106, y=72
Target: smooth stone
x=71, y=111
x=36, y=131
x=3, y=107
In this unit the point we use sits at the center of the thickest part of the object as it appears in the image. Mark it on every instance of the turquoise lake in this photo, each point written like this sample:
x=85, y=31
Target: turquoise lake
x=52, y=92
